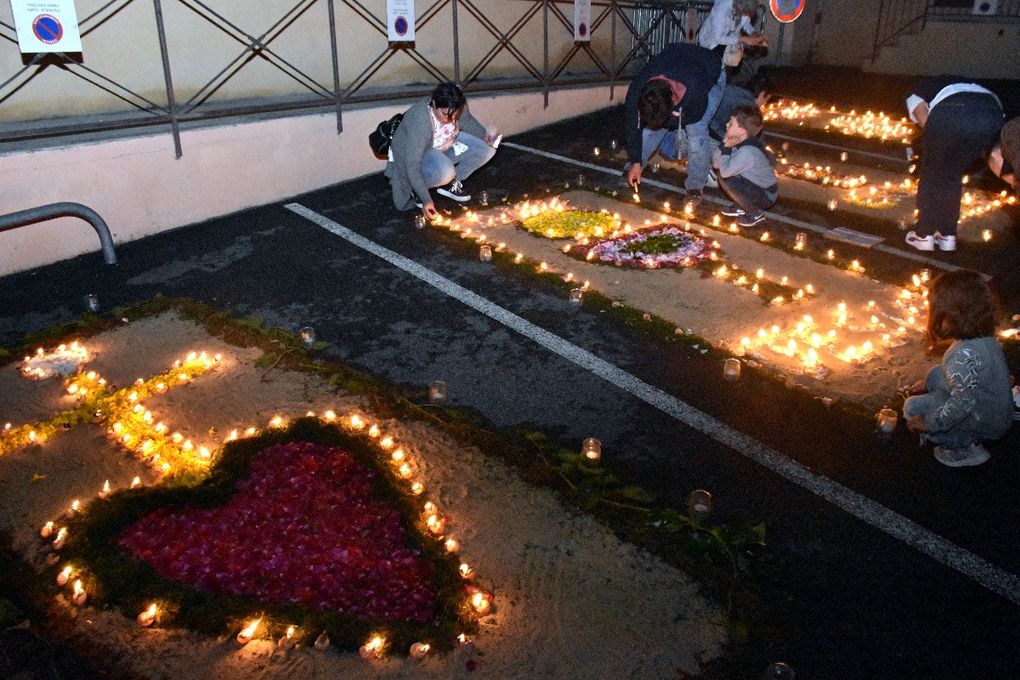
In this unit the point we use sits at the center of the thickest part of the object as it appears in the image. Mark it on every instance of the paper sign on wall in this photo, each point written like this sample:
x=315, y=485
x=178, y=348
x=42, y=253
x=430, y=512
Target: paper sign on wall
x=400, y=20
x=582, y=20
x=46, y=26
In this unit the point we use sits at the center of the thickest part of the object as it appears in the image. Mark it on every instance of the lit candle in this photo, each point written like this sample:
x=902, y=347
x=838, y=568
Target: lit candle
x=248, y=632
x=482, y=602
x=437, y=392
x=887, y=419
x=147, y=617
x=73, y=510
x=105, y=491
x=452, y=546
x=46, y=530
x=79, y=595
x=373, y=648
x=64, y=575
x=419, y=650
x=485, y=253
x=58, y=542
x=322, y=642
x=591, y=449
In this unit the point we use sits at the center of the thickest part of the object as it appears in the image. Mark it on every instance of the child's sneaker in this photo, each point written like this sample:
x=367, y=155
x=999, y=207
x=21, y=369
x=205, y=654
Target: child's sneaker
x=733, y=211
x=925, y=243
x=945, y=242
x=455, y=192
x=713, y=181
x=968, y=456
x=751, y=220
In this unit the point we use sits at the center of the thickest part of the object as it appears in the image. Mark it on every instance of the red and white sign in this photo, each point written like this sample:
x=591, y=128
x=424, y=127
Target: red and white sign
x=787, y=10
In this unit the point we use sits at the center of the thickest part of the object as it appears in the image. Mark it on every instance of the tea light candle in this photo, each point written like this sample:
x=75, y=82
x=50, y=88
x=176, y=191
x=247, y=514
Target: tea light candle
x=482, y=602
x=105, y=491
x=92, y=303
x=465, y=570
x=72, y=511
x=307, y=335
x=591, y=449
x=731, y=369
x=452, y=546
x=58, y=542
x=64, y=576
x=147, y=617
x=832, y=204
x=800, y=241
x=79, y=595
x=887, y=419
x=248, y=632
x=322, y=642
x=373, y=648
x=485, y=253
x=699, y=504
x=613, y=144
x=419, y=221
x=419, y=650
x=46, y=530
x=575, y=295
x=437, y=392
x=417, y=488
x=287, y=640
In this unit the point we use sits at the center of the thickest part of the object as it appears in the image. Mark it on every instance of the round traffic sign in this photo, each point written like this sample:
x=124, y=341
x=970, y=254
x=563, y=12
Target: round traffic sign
x=786, y=10
x=47, y=29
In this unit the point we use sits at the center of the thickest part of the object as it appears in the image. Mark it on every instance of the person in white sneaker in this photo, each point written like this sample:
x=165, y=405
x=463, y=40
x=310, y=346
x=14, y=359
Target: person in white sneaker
x=438, y=144
x=967, y=399
x=960, y=121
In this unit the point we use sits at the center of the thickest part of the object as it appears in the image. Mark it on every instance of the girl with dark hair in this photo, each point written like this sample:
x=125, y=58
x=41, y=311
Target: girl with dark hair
x=438, y=144
x=967, y=399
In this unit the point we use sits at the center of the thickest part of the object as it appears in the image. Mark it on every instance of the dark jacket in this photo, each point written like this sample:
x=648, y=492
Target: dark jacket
x=733, y=96
x=696, y=68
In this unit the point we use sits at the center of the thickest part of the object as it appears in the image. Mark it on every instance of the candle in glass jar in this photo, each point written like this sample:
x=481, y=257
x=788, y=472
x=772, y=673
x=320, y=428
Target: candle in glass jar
x=591, y=449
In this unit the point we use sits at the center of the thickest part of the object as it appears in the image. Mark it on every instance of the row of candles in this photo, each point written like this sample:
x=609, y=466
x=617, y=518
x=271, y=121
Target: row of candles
x=434, y=523
x=869, y=125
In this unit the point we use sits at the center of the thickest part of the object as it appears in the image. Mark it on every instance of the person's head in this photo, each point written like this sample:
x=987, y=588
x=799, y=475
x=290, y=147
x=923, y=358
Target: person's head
x=1009, y=147
x=745, y=121
x=448, y=102
x=960, y=306
x=747, y=8
x=761, y=87
x=655, y=104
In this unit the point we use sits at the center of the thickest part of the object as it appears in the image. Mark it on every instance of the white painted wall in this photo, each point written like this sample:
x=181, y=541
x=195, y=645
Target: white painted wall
x=140, y=188
x=979, y=50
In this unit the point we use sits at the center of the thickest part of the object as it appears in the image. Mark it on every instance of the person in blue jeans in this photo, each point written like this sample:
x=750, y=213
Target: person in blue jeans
x=438, y=144
x=744, y=168
x=961, y=121
x=967, y=399
x=666, y=95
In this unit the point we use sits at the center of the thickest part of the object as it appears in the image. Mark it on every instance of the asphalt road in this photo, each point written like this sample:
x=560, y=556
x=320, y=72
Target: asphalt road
x=841, y=598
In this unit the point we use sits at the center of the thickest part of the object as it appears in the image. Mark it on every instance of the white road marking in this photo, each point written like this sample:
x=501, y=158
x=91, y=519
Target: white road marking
x=892, y=523
x=801, y=224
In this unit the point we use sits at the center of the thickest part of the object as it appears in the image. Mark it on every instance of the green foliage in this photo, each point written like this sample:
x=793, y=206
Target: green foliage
x=570, y=223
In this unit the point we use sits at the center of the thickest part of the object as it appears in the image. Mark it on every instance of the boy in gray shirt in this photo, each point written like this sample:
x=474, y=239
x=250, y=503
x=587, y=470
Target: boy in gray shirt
x=745, y=168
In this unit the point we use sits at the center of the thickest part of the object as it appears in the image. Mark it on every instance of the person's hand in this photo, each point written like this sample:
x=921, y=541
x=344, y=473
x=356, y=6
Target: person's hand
x=634, y=175
x=730, y=141
x=917, y=424
x=754, y=39
x=429, y=210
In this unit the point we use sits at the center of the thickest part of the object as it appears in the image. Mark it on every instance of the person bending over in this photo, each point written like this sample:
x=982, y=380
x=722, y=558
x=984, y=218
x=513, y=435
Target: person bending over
x=438, y=144
x=745, y=168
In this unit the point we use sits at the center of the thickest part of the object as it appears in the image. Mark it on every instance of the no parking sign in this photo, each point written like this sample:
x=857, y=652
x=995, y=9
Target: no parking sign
x=400, y=20
x=46, y=26
x=786, y=10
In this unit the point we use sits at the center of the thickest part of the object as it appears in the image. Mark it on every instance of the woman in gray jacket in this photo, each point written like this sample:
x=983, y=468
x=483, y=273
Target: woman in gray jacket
x=438, y=144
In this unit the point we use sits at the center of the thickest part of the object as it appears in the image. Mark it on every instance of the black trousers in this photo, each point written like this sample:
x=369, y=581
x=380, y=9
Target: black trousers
x=960, y=129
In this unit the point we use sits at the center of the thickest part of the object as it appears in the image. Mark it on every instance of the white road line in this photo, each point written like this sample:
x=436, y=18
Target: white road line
x=892, y=523
x=801, y=224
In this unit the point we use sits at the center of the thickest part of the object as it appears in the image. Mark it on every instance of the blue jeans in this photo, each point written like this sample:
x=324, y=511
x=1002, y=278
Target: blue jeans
x=959, y=130
x=662, y=139
x=751, y=198
x=971, y=430
x=699, y=155
x=439, y=168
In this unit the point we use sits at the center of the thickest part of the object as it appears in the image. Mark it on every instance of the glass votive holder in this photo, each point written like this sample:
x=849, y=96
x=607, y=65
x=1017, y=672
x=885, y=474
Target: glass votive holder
x=613, y=144
x=925, y=275
x=419, y=221
x=596, y=151
x=777, y=670
x=731, y=369
x=591, y=449
x=484, y=197
x=437, y=392
x=800, y=241
x=699, y=504
x=307, y=335
x=580, y=180
x=575, y=295
x=485, y=253
x=655, y=168
x=92, y=303
x=887, y=419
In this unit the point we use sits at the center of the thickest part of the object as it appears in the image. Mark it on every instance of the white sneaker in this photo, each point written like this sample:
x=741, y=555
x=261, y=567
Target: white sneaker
x=945, y=242
x=968, y=456
x=455, y=192
x=926, y=243
x=712, y=182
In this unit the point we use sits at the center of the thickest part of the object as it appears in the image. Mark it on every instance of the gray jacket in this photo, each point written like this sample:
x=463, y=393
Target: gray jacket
x=750, y=160
x=410, y=143
x=978, y=379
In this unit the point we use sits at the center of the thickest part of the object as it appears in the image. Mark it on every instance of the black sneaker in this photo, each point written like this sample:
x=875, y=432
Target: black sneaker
x=733, y=211
x=454, y=192
x=751, y=220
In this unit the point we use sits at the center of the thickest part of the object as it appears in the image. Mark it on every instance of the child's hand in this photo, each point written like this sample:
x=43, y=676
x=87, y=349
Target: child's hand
x=917, y=424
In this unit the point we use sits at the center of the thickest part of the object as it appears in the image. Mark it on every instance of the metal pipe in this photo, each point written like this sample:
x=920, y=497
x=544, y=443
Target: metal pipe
x=171, y=100
x=47, y=212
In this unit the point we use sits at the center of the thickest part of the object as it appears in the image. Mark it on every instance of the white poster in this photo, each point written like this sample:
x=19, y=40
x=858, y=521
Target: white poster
x=582, y=20
x=400, y=20
x=46, y=26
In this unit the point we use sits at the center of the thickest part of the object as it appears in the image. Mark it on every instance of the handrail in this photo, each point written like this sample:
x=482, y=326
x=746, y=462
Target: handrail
x=896, y=17
x=47, y=212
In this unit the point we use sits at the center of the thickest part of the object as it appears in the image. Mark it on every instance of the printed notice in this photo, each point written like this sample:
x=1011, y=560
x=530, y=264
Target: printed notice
x=400, y=20
x=46, y=26
x=582, y=20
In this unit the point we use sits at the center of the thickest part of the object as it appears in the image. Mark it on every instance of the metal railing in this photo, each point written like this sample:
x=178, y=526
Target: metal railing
x=634, y=28
x=902, y=17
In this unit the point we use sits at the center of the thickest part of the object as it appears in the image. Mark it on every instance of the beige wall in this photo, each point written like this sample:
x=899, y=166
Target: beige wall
x=140, y=188
x=126, y=49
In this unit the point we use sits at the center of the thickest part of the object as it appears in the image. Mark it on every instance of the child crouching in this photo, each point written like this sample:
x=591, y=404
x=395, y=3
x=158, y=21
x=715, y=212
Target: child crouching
x=967, y=399
x=745, y=168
